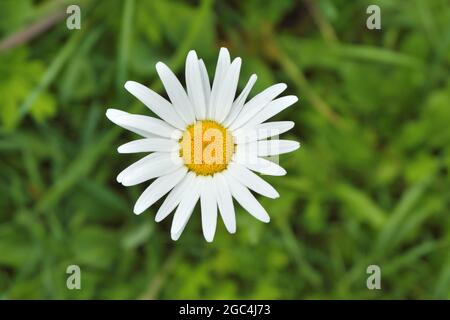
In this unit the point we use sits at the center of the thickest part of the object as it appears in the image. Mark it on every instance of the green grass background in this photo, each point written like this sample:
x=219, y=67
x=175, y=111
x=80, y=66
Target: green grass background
x=370, y=184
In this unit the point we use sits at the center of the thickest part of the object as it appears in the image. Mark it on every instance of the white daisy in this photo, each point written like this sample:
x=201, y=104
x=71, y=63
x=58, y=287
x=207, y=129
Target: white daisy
x=206, y=145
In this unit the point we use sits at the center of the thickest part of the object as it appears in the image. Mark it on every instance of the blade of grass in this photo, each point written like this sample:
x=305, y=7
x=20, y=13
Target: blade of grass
x=295, y=74
x=326, y=29
x=158, y=280
x=427, y=21
x=410, y=257
x=442, y=287
x=400, y=213
x=361, y=205
x=32, y=169
x=51, y=73
x=125, y=39
x=376, y=55
x=297, y=251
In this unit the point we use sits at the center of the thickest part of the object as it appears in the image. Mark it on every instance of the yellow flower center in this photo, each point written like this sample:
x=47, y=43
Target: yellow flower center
x=206, y=147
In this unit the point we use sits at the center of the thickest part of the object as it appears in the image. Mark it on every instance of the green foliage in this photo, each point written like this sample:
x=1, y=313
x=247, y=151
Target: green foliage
x=370, y=184
x=20, y=76
x=14, y=13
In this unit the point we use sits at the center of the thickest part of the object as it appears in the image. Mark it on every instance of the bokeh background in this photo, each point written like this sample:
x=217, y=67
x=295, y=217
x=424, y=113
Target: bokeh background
x=370, y=184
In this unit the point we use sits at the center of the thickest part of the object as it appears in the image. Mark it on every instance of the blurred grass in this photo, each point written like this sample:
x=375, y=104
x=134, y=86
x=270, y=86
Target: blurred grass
x=370, y=184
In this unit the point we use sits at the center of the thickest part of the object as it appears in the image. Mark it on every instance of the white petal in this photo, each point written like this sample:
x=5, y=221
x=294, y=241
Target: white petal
x=149, y=145
x=256, y=104
x=137, y=164
x=114, y=115
x=185, y=208
x=176, y=93
x=246, y=153
x=225, y=202
x=238, y=104
x=273, y=108
x=209, y=209
x=262, y=131
x=150, y=167
x=246, y=199
x=227, y=91
x=194, y=85
x=223, y=63
x=205, y=81
x=160, y=106
x=176, y=236
x=158, y=188
x=252, y=181
x=264, y=166
x=174, y=197
x=148, y=124
x=275, y=147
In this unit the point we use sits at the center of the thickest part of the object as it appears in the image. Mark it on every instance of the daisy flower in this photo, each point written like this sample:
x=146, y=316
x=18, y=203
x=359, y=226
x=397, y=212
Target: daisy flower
x=206, y=145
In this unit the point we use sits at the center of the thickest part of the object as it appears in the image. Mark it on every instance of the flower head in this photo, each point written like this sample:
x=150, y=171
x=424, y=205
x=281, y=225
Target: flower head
x=206, y=146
